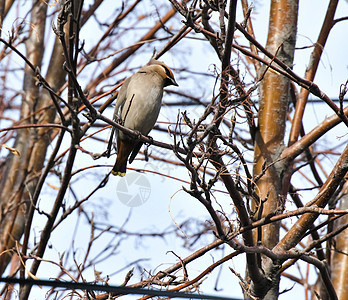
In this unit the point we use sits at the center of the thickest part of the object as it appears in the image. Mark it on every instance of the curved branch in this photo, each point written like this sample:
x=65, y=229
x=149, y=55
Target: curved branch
x=295, y=234
x=297, y=148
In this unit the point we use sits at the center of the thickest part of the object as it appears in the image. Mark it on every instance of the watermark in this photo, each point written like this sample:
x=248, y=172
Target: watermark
x=134, y=189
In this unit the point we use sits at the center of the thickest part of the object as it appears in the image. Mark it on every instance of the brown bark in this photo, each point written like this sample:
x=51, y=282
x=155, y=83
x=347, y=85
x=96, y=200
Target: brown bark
x=273, y=107
x=22, y=173
x=339, y=261
x=274, y=98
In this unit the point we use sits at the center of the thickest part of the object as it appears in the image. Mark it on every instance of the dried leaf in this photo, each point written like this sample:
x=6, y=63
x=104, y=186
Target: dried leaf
x=13, y=150
x=53, y=186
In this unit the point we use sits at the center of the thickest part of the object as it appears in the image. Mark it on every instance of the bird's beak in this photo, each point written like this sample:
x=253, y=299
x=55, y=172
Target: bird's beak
x=170, y=81
x=174, y=82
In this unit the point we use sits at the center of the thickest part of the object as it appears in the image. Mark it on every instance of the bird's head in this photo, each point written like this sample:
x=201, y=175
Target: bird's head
x=164, y=71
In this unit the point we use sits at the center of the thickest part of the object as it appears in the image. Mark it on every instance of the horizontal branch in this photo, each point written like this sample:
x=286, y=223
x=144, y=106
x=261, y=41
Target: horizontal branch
x=139, y=136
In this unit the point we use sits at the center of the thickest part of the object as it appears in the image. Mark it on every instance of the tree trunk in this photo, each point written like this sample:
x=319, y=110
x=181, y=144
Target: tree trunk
x=21, y=172
x=339, y=262
x=274, y=98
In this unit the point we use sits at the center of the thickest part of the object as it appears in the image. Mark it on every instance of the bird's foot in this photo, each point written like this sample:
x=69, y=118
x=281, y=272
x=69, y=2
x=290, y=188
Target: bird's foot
x=138, y=133
x=151, y=140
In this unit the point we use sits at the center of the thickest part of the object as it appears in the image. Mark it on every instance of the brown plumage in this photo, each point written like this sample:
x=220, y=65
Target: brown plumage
x=138, y=104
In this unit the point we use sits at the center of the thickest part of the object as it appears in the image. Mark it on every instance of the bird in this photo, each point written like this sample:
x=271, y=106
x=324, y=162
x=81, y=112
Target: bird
x=137, y=108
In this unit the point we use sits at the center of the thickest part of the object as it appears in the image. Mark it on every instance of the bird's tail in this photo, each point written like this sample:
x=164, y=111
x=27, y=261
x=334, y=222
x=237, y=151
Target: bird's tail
x=124, y=150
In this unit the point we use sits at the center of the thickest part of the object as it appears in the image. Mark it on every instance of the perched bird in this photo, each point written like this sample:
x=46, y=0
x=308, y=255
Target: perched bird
x=137, y=107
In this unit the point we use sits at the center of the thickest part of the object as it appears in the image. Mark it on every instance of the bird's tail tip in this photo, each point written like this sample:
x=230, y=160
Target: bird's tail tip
x=118, y=173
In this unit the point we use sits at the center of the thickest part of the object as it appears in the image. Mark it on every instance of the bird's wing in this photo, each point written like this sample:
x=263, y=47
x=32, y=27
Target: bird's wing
x=135, y=151
x=121, y=99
